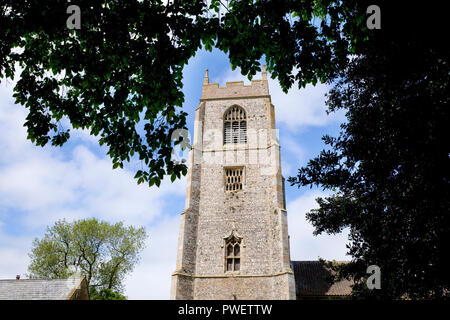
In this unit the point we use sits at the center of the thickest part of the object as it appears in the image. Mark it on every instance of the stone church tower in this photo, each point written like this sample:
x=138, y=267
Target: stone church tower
x=233, y=241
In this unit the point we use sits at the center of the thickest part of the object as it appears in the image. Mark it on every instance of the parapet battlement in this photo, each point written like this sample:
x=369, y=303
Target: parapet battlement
x=235, y=89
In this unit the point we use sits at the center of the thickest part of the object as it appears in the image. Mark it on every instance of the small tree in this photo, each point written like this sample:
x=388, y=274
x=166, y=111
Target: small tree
x=105, y=253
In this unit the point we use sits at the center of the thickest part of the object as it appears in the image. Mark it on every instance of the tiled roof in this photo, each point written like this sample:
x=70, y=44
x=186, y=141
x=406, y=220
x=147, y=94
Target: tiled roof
x=31, y=289
x=311, y=280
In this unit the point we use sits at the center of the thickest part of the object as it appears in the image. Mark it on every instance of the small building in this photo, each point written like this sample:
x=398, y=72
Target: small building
x=311, y=282
x=39, y=289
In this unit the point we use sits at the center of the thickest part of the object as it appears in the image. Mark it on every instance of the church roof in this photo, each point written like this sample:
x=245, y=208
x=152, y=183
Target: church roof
x=38, y=289
x=311, y=280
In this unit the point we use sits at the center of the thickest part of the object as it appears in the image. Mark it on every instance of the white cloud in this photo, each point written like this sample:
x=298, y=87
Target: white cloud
x=296, y=151
x=14, y=254
x=41, y=185
x=306, y=246
x=151, y=279
x=51, y=183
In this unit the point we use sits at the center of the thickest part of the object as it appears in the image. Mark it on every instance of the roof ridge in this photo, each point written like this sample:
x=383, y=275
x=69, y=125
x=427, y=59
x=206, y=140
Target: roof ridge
x=41, y=279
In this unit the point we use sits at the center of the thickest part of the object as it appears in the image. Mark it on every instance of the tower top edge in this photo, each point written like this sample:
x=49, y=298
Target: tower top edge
x=257, y=87
x=235, y=89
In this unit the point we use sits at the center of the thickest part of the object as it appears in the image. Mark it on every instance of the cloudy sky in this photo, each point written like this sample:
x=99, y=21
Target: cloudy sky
x=41, y=185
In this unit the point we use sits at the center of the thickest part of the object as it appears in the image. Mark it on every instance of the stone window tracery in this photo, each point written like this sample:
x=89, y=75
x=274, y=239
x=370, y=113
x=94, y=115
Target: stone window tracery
x=233, y=254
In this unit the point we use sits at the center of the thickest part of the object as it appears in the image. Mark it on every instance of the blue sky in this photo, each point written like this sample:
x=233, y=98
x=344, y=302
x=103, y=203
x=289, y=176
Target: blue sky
x=41, y=185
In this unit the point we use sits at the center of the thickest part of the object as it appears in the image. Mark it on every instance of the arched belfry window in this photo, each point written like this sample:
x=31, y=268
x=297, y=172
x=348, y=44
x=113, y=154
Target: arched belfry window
x=235, y=126
x=233, y=253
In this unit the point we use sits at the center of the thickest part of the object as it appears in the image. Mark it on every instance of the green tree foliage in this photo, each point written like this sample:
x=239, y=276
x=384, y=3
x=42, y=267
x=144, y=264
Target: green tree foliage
x=302, y=41
x=104, y=294
x=120, y=75
x=104, y=252
x=389, y=167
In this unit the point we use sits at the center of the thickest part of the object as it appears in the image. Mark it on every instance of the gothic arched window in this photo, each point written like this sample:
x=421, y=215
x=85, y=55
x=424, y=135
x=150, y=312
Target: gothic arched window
x=233, y=254
x=235, y=126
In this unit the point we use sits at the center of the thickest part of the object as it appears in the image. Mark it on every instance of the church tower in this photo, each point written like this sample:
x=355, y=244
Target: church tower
x=233, y=241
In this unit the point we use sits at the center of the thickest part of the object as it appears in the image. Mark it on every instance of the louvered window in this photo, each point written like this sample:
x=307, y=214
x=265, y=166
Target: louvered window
x=235, y=126
x=234, y=179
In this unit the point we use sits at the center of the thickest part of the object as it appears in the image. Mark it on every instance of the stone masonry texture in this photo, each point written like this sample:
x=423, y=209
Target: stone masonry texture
x=256, y=214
